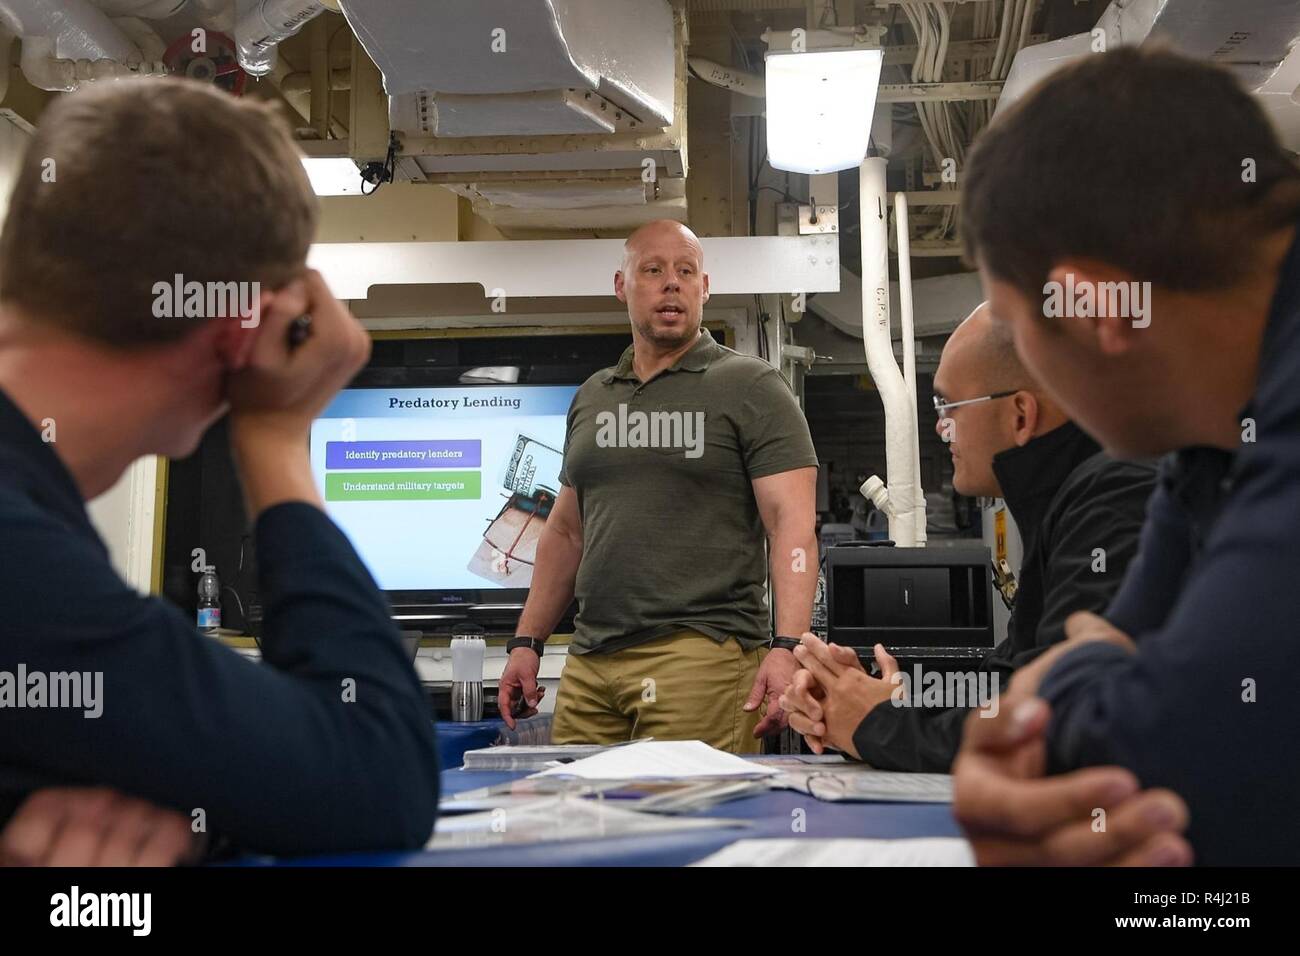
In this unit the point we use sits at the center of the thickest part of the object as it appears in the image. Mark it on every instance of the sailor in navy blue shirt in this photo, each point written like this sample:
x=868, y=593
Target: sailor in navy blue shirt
x=328, y=744
x=271, y=753
x=1209, y=706
x=1178, y=213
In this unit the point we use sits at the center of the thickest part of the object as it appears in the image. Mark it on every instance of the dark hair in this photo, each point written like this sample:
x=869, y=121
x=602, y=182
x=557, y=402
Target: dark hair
x=1137, y=158
x=129, y=183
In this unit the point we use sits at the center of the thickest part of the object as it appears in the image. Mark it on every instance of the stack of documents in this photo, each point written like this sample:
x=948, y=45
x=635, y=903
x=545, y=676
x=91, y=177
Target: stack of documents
x=527, y=757
x=828, y=778
x=662, y=777
x=832, y=778
x=647, y=796
x=861, y=784
x=557, y=818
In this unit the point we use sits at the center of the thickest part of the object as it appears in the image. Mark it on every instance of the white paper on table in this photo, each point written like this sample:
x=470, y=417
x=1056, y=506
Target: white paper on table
x=922, y=851
x=861, y=784
x=559, y=818
x=660, y=760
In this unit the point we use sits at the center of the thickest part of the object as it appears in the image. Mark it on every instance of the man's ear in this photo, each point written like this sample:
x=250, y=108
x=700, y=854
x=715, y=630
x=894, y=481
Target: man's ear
x=236, y=336
x=1083, y=307
x=619, y=289
x=1026, y=410
x=705, y=277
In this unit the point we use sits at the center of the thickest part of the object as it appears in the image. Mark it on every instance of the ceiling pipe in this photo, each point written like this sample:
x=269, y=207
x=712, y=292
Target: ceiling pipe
x=45, y=71
x=82, y=31
x=262, y=25
x=144, y=36
x=896, y=497
x=298, y=97
x=70, y=42
x=728, y=77
x=909, y=355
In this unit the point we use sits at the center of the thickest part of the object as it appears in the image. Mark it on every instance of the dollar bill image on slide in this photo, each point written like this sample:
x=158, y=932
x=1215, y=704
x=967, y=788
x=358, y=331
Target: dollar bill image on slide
x=533, y=467
x=532, y=477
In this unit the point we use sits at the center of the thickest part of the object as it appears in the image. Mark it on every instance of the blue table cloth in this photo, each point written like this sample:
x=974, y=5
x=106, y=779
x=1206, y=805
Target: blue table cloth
x=775, y=813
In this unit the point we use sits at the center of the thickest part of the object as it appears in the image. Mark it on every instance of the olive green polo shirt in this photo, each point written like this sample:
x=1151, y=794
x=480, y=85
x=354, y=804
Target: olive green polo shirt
x=672, y=537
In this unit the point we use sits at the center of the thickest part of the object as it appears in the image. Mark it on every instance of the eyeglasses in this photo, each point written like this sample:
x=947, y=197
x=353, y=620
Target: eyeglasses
x=941, y=405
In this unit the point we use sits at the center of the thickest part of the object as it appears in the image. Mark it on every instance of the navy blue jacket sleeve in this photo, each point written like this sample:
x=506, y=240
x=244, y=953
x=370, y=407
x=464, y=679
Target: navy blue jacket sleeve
x=1206, y=705
x=326, y=746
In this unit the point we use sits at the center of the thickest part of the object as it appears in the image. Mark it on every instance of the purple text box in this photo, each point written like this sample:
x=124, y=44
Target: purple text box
x=404, y=454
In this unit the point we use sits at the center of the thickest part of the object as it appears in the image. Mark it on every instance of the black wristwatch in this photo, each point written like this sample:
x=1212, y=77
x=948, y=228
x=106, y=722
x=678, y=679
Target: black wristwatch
x=532, y=643
x=788, y=643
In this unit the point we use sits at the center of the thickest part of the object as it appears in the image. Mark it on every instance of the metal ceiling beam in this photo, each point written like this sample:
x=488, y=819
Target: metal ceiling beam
x=573, y=267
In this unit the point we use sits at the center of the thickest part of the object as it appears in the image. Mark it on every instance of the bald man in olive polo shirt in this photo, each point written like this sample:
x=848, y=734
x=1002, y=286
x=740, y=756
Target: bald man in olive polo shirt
x=680, y=462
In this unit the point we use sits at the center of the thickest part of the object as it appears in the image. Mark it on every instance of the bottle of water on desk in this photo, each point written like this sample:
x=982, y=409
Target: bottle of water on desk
x=209, y=616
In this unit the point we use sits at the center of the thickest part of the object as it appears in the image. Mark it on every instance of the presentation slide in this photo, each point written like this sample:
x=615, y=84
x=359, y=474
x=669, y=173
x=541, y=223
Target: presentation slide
x=443, y=488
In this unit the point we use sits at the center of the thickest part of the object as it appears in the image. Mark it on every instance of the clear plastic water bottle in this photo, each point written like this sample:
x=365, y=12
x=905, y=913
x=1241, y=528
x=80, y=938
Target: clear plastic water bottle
x=209, y=618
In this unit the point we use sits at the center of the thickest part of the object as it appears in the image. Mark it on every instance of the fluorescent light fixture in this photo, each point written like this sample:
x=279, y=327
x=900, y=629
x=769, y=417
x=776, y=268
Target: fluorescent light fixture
x=819, y=108
x=333, y=175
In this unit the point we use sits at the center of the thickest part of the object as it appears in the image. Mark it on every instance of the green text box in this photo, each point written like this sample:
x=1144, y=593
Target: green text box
x=403, y=485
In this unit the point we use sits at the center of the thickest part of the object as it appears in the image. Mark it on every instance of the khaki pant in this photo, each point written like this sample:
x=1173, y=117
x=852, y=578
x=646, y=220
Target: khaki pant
x=683, y=686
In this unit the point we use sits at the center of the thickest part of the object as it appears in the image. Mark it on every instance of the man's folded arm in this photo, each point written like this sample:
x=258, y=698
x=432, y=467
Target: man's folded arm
x=1205, y=704
x=1105, y=512
x=327, y=746
x=918, y=739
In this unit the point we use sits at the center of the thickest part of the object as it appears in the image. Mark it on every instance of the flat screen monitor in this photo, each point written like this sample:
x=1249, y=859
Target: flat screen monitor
x=918, y=602
x=443, y=491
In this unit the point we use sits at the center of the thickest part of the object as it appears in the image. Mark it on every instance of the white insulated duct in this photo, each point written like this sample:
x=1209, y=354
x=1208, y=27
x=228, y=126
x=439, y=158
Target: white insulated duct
x=79, y=30
x=262, y=25
x=144, y=36
x=1033, y=63
x=215, y=14
x=1253, y=39
x=898, y=498
x=491, y=72
x=67, y=42
x=483, y=67
x=46, y=71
